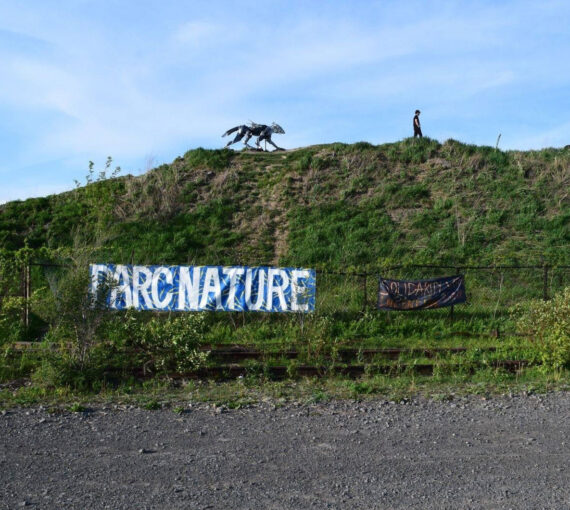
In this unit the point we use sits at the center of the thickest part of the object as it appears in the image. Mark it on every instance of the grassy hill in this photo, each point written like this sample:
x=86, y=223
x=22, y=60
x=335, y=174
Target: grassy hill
x=338, y=208
x=329, y=206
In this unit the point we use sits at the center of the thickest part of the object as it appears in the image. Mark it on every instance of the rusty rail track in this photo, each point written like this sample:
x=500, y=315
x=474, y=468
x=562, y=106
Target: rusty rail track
x=234, y=371
x=238, y=352
x=230, y=356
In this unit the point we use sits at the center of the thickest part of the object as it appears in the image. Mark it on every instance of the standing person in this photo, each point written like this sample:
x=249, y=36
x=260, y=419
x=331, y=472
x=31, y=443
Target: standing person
x=417, y=125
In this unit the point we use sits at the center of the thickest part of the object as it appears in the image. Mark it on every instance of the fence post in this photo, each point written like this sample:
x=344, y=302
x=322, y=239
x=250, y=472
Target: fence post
x=26, y=294
x=28, y=289
x=452, y=308
x=23, y=291
x=365, y=285
x=545, y=283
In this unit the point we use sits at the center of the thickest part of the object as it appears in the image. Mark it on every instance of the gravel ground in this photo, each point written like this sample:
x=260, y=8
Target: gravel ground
x=507, y=452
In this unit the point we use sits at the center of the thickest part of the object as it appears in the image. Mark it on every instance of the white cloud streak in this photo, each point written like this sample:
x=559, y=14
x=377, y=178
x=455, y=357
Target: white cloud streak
x=159, y=83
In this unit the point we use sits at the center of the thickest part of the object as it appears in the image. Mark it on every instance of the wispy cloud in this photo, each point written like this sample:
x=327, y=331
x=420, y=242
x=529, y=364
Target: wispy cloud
x=97, y=78
x=557, y=136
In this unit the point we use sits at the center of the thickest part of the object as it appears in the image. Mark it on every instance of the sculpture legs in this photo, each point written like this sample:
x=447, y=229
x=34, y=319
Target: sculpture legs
x=247, y=139
x=267, y=139
x=237, y=138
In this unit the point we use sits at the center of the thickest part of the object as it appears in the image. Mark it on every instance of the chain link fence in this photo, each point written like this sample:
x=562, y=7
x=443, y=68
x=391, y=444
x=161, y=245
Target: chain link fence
x=491, y=291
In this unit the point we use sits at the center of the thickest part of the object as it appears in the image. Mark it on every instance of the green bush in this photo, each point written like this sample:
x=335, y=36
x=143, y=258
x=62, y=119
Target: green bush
x=304, y=163
x=76, y=318
x=362, y=146
x=11, y=324
x=548, y=323
x=217, y=159
x=51, y=373
x=320, y=163
x=165, y=342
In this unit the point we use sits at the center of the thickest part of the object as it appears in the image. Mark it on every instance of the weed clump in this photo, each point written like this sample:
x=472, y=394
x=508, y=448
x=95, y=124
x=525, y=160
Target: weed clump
x=216, y=159
x=163, y=344
x=548, y=324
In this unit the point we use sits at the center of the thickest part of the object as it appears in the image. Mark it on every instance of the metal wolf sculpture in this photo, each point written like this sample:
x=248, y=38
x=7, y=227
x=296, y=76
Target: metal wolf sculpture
x=262, y=131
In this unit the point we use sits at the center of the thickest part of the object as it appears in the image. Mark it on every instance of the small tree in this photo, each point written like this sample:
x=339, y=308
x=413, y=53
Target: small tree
x=75, y=316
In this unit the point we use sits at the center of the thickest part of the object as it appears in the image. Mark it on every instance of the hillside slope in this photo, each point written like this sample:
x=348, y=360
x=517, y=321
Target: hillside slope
x=326, y=206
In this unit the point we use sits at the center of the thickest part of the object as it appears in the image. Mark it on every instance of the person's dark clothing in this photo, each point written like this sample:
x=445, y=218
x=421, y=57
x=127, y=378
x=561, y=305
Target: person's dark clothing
x=417, y=126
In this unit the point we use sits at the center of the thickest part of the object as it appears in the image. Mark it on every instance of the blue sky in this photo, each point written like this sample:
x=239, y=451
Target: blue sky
x=144, y=81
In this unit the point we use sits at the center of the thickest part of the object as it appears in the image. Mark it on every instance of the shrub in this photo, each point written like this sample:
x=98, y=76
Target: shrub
x=76, y=318
x=362, y=146
x=166, y=342
x=304, y=162
x=11, y=324
x=217, y=159
x=548, y=322
x=319, y=163
x=50, y=373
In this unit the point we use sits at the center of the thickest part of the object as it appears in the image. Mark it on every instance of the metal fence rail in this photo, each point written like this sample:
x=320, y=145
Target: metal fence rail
x=490, y=289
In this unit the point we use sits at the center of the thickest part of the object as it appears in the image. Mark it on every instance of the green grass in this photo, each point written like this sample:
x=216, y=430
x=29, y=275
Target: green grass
x=252, y=390
x=349, y=208
x=413, y=201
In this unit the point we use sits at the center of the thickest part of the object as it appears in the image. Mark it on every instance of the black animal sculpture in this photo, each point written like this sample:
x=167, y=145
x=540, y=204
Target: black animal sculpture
x=262, y=131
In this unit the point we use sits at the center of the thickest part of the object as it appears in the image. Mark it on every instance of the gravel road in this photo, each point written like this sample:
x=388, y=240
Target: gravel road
x=506, y=452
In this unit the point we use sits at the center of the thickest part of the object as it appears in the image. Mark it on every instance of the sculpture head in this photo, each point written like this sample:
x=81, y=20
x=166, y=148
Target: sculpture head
x=277, y=128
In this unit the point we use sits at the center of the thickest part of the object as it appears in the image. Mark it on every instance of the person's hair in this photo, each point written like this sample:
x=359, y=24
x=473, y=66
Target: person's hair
x=417, y=111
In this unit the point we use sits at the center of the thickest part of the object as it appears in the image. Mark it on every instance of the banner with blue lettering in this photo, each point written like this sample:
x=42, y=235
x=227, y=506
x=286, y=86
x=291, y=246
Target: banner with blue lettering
x=421, y=294
x=204, y=288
